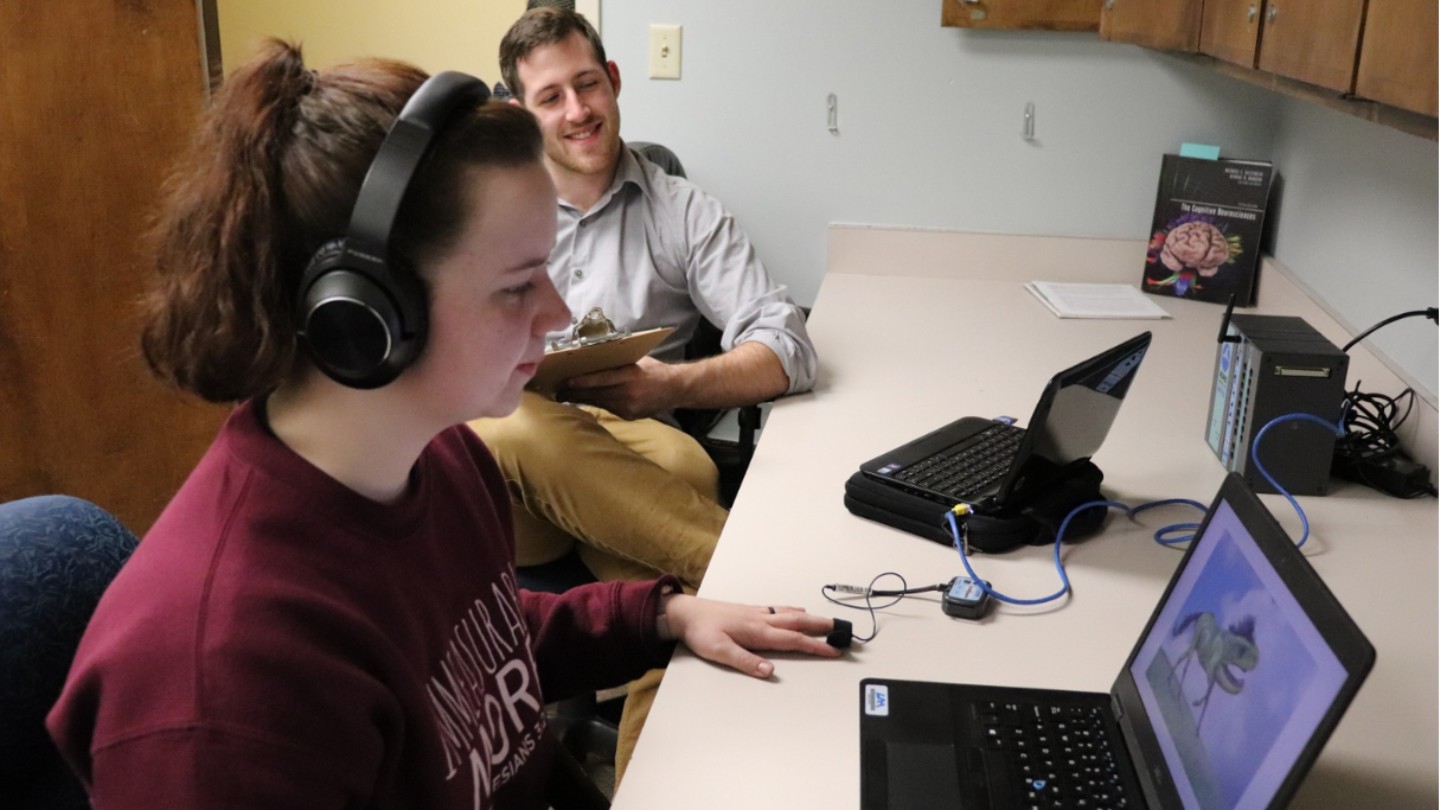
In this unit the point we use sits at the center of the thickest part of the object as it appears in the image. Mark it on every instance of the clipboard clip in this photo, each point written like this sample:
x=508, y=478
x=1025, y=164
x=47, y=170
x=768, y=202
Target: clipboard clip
x=594, y=328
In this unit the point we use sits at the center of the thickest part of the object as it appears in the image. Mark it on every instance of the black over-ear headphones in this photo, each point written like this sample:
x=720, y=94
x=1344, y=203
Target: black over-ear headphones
x=362, y=316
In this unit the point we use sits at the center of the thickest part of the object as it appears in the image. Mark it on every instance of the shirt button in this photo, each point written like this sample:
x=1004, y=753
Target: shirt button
x=584, y=223
x=579, y=273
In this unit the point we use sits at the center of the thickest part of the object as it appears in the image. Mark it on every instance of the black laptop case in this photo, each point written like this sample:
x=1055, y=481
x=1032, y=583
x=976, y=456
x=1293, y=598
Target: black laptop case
x=1033, y=521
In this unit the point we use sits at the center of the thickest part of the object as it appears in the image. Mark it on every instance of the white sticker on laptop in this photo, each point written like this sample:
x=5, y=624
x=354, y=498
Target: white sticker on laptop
x=877, y=699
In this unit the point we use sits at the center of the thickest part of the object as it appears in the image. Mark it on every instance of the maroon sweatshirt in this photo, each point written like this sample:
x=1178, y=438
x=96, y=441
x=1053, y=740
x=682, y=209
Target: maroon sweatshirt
x=279, y=641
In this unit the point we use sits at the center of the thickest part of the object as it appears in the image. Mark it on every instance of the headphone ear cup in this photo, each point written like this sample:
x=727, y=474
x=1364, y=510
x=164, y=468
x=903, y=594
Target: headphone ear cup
x=362, y=323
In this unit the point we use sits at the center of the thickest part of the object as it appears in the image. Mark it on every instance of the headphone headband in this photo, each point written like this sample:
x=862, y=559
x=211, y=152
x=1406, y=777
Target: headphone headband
x=405, y=146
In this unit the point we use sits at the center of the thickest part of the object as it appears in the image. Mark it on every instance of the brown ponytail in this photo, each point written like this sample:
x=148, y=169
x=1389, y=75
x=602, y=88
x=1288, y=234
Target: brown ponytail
x=273, y=170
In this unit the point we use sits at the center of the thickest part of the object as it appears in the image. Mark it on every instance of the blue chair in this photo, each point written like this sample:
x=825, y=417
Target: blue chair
x=57, y=556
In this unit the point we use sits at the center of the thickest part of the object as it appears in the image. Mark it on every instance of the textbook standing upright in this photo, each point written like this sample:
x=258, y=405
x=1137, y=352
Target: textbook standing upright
x=1205, y=240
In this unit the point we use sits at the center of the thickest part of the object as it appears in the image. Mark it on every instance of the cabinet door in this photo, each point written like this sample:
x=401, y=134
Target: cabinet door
x=1230, y=29
x=1167, y=24
x=1314, y=41
x=1051, y=15
x=1397, y=58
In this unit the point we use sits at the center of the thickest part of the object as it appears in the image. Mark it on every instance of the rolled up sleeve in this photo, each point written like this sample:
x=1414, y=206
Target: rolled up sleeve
x=733, y=289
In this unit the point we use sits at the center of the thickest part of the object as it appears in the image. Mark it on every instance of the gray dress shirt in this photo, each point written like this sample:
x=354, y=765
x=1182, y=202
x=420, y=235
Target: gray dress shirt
x=655, y=251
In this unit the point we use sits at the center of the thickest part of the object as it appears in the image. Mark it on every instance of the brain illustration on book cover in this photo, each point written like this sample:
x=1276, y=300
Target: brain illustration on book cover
x=1191, y=248
x=1209, y=215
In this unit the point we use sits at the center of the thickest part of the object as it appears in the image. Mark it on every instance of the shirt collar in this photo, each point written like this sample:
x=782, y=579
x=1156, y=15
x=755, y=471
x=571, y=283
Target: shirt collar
x=628, y=172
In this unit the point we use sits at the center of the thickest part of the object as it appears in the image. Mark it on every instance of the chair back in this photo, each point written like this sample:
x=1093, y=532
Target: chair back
x=661, y=155
x=57, y=556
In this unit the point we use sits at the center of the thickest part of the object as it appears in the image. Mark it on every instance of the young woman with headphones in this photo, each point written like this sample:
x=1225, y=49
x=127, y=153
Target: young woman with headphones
x=326, y=615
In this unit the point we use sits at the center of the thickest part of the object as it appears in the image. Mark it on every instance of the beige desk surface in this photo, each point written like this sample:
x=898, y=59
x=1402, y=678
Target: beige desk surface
x=915, y=329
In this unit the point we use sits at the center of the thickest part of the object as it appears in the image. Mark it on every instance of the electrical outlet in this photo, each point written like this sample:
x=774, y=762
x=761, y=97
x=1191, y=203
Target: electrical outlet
x=664, y=51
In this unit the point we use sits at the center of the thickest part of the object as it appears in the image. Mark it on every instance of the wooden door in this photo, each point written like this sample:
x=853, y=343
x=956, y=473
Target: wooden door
x=1230, y=30
x=1172, y=25
x=1398, y=55
x=1315, y=41
x=96, y=98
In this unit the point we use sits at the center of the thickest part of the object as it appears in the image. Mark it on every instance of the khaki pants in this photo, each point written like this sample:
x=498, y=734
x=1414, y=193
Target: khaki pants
x=635, y=498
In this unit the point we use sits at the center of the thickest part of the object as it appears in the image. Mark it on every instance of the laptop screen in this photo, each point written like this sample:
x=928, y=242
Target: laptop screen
x=1074, y=415
x=1084, y=408
x=1233, y=673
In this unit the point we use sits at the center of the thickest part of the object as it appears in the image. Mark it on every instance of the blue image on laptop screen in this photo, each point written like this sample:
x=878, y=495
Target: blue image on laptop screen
x=1233, y=674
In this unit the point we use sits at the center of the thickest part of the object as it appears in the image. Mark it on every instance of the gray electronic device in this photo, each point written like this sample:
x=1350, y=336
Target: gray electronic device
x=965, y=598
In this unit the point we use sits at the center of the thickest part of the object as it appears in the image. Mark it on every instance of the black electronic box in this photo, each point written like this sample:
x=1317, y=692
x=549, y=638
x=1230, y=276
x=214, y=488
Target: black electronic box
x=1269, y=366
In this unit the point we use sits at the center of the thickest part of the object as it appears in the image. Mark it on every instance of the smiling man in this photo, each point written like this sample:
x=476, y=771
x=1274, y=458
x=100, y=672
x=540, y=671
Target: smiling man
x=603, y=463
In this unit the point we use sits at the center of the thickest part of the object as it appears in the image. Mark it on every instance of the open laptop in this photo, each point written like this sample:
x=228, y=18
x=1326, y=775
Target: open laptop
x=989, y=462
x=1242, y=672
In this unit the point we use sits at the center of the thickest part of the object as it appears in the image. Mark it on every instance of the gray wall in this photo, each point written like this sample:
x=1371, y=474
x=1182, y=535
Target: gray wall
x=1357, y=222
x=930, y=135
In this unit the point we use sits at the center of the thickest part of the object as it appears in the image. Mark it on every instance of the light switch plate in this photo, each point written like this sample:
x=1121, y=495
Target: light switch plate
x=664, y=51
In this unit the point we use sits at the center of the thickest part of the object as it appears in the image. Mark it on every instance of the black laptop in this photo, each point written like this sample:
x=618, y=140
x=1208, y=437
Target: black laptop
x=988, y=462
x=1245, y=667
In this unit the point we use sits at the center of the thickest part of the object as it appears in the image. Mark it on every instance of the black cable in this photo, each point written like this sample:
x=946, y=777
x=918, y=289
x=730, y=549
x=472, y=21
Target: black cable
x=869, y=593
x=1370, y=451
x=851, y=589
x=1428, y=313
x=1372, y=424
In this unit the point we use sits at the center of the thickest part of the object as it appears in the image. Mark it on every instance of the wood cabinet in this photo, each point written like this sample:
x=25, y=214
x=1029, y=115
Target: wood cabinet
x=1317, y=42
x=1048, y=15
x=1374, y=59
x=1172, y=25
x=1398, y=55
x=1313, y=41
x=1230, y=30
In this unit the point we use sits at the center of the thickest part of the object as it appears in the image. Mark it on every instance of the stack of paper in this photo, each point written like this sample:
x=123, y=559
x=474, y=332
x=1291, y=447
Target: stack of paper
x=1096, y=300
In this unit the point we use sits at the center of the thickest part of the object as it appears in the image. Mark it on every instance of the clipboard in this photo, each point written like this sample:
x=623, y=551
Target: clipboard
x=560, y=365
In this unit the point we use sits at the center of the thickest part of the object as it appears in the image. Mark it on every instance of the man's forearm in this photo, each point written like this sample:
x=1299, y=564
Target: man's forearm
x=745, y=375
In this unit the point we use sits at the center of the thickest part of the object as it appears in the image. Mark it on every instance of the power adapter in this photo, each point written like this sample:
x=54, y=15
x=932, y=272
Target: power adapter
x=1392, y=474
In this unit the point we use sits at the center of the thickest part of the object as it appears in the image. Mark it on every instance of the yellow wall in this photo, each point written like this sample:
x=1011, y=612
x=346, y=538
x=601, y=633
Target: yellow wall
x=436, y=35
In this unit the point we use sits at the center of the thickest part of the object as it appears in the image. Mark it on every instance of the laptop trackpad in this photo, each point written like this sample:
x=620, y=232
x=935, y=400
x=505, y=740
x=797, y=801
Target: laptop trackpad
x=922, y=776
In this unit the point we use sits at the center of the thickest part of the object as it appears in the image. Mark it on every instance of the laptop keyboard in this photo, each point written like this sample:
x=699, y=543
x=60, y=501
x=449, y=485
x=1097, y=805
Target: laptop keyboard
x=1056, y=756
x=968, y=467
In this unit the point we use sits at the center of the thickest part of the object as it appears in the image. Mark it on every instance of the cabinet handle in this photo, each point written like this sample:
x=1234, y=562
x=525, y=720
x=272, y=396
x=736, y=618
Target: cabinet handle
x=1250, y=17
x=1270, y=13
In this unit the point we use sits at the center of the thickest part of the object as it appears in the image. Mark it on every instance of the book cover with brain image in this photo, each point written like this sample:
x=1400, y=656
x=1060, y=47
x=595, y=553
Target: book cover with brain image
x=1209, y=215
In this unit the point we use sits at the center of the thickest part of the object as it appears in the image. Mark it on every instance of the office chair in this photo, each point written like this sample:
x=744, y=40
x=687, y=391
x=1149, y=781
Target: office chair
x=57, y=556
x=586, y=728
x=731, y=456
